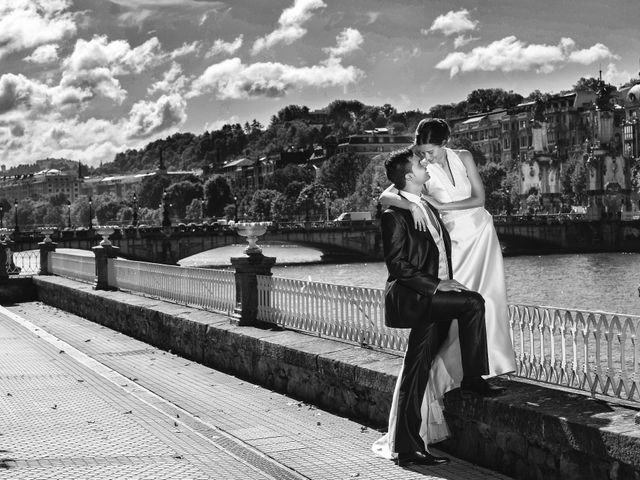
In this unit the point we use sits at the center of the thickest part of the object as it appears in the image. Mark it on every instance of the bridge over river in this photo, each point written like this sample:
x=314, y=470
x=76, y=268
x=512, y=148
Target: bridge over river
x=519, y=235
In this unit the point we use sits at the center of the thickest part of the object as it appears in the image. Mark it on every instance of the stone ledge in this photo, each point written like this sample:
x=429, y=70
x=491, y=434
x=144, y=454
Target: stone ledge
x=531, y=432
x=15, y=289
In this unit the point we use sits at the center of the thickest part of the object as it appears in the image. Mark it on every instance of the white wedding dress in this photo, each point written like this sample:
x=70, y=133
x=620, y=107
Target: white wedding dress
x=477, y=263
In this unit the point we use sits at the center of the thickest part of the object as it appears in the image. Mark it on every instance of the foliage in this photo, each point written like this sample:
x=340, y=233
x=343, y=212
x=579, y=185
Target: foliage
x=181, y=194
x=217, y=195
x=340, y=172
x=288, y=174
x=487, y=99
x=151, y=189
x=492, y=175
x=194, y=211
x=573, y=180
x=370, y=184
x=260, y=205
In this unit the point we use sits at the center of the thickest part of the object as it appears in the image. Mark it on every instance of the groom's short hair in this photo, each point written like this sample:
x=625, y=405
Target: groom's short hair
x=398, y=165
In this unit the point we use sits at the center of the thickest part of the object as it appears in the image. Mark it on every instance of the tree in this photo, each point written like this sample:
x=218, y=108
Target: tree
x=492, y=175
x=340, y=172
x=181, y=194
x=58, y=199
x=106, y=208
x=370, y=184
x=194, y=211
x=312, y=199
x=217, y=194
x=151, y=189
x=261, y=201
x=487, y=99
x=283, y=177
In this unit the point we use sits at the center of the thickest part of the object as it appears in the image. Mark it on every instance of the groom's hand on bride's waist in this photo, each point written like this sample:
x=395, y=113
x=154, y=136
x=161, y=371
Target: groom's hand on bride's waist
x=450, y=286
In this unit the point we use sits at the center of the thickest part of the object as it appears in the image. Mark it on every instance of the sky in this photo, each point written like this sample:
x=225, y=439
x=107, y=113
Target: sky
x=87, y=79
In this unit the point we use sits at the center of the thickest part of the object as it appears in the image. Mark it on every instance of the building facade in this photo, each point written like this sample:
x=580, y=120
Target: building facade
x=41, y=185
x=373, y=142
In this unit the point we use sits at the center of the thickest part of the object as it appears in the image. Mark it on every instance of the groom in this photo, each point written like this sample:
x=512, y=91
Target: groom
x=420, y=294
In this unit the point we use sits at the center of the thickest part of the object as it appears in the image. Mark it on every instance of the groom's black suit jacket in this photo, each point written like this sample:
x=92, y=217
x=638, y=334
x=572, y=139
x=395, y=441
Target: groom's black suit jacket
x=412, y=259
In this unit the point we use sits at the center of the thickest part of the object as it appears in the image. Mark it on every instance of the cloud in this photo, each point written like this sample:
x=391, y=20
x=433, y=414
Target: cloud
x=372, y=17
x=348, y=40
x=44, y=54
x=452, y=23
x=229, y=48
x=462, y=40
x=290, y=25
x=18, y=92
x=25, y=24
x=151, y=118
x=231, y=79
x=173, y=81
x=186, y=49
x=616, y=77
x=218, y=124
x=591, y=55
x=93, y=66
x=510, y=54
x=116, y=55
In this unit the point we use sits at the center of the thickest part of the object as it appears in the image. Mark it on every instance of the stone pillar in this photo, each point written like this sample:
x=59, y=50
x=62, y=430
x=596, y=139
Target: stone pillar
x=246, y=311
x=4, y=274
x=45, y=248
x=103, y=253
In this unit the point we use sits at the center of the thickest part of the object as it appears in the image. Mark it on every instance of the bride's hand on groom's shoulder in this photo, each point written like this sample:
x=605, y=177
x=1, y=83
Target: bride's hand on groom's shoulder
x=419, y=218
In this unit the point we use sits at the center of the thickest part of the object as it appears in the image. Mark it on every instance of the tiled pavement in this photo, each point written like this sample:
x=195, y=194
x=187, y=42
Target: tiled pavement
x=81, y=401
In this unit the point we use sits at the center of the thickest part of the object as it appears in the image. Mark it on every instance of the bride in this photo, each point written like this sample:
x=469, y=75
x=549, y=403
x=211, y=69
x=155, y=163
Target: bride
x=456, y=190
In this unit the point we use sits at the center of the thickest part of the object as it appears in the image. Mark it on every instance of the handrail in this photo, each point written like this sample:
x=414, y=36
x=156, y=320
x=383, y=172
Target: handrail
x=594, y=352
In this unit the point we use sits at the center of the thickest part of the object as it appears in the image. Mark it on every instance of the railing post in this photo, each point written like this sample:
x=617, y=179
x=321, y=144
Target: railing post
x=103, y=253
x=247, y=268
x=46, y=246
x=4, y=272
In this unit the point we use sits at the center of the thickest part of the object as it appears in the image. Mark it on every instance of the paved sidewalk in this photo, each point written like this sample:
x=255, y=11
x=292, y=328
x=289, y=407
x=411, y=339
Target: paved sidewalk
x=81, y=401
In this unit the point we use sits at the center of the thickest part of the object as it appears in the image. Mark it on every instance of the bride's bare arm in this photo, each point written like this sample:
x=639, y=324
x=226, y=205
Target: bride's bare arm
x=476, y=199
x=390, y=197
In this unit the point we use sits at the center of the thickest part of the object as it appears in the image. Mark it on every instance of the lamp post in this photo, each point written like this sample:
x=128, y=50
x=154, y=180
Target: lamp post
x=69, y=213
x=90, y=214
x=15, y=216
x=235, y=202
x=201, y=210
x=307, y=198
x=134, y=217
x=166, y=221
x=1, y=216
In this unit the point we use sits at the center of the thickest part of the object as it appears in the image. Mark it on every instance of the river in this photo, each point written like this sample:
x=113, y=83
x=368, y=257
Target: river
x=600, y=281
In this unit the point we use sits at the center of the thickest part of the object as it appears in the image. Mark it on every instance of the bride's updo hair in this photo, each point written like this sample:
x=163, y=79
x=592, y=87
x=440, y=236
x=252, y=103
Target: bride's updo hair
x=432, y=130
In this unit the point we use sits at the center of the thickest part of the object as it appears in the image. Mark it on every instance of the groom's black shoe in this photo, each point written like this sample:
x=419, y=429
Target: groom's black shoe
x=420, y=458
x=480, y=386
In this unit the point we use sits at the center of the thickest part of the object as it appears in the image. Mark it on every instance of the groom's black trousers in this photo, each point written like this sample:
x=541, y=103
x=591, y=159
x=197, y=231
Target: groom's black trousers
x=424, y=343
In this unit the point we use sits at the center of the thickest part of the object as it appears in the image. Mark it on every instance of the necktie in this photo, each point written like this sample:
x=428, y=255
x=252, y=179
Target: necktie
x=431, y=215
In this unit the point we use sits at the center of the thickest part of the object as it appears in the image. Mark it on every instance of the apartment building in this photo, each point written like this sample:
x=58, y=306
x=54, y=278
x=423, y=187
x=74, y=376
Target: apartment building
x=40, y=185
x=374, y=142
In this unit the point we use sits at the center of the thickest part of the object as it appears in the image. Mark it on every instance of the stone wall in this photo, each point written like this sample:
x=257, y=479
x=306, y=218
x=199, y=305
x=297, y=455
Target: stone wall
x=530, y=432
x=17, y=289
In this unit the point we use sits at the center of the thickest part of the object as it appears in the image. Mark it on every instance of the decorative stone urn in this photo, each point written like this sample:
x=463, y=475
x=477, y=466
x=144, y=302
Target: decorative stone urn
x=104, y=232
x=251, y=230
x=47, y=231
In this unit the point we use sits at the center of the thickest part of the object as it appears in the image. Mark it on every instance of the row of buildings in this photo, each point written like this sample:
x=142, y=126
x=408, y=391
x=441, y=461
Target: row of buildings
x=598, y=129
